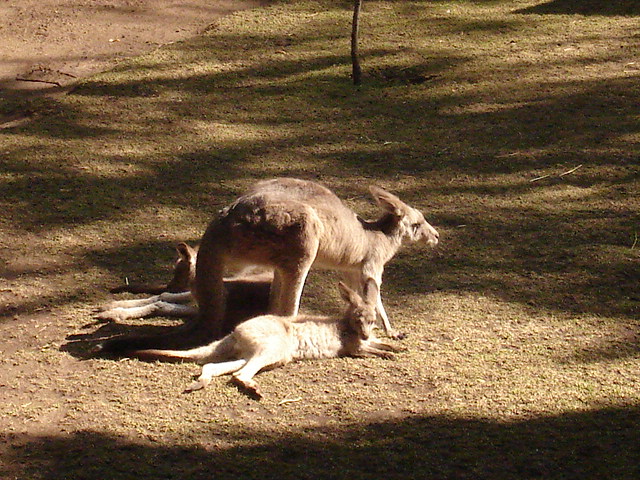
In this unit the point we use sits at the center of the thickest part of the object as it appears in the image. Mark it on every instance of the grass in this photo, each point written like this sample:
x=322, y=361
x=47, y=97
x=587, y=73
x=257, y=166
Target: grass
x=522, y=357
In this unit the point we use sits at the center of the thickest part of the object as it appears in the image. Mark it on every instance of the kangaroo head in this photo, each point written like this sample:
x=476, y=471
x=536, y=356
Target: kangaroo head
x=184, y=269
x=361, y=310
x=411, y=222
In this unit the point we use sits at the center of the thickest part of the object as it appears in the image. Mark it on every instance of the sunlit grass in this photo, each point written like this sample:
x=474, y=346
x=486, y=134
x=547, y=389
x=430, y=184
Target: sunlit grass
x=514, y=129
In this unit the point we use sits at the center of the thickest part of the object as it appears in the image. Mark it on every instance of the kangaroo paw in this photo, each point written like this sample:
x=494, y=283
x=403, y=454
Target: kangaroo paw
x=249, y=387
x=397, y=335
x=197, y=385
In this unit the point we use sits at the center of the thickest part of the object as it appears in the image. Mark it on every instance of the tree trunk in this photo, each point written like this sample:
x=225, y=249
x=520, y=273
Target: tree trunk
x=355, y=61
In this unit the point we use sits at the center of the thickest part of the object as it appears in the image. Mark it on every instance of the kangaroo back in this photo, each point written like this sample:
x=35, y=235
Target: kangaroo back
x=294, y=225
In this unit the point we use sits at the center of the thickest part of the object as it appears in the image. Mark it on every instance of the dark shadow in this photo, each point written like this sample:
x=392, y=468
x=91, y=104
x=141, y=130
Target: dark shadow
x=585, y=7
x=594, y=444
x=539, y=258
x=83, y=345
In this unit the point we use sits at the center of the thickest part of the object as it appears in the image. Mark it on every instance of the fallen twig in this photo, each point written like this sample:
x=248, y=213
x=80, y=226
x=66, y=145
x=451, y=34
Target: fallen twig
x=559, y=175
x=290, y=400
x=35, y=80
x=539, y=178
x=570, y=171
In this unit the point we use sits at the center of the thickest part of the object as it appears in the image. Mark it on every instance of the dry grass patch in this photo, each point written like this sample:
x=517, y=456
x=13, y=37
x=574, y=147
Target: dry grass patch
x=522, y=357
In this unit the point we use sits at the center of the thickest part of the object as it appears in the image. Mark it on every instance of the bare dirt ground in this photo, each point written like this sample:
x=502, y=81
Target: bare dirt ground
x=513, y=125
x=49, y=44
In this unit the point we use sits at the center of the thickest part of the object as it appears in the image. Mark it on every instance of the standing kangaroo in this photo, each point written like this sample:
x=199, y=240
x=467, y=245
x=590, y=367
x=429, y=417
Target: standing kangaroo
x=291, y=225
x=269, y=341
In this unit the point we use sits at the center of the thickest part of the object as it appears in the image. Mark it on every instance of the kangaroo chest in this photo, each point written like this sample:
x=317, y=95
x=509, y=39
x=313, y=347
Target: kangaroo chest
x=312, y=341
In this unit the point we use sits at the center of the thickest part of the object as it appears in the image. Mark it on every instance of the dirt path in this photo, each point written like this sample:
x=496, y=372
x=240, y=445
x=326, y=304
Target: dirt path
x=48, y=44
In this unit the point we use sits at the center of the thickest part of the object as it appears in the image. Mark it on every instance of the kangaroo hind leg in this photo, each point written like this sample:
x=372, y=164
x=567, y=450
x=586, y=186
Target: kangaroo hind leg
x=263, y=359
x=294, y=253
x=211, y=370
x=275, y=293
x=290, y=289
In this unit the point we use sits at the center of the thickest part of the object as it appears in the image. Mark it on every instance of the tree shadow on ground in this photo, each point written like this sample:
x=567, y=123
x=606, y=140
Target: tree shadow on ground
x=602, y=443
x=550, y=257
x=529, y=254
x=585, y=7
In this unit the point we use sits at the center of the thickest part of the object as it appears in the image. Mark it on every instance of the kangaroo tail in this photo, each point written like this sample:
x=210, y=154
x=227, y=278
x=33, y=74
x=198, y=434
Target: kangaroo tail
x=213, y=352
x=183, y=337
x=209, y=288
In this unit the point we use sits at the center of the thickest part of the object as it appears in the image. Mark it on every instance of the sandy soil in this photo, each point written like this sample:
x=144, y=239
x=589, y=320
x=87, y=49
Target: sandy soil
x=48, y=44
x=524, y=342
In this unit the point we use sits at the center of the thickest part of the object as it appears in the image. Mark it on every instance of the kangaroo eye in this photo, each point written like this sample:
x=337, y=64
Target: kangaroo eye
x=416, y=226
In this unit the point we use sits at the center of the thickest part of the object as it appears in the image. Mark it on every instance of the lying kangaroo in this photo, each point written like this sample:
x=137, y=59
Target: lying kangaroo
x=292, y=225
x=172, y=300
x=184, y=271
x=270, y=341
x=166, y=304
x=247, y=297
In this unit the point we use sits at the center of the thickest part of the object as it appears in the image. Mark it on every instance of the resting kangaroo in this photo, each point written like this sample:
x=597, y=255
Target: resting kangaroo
x=292, y=225
x=184, y=271
x=171, y=300
x=270, y=341
x=247, y=296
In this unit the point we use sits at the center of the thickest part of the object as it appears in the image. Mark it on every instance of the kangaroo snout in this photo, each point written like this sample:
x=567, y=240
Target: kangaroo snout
x=431, y=235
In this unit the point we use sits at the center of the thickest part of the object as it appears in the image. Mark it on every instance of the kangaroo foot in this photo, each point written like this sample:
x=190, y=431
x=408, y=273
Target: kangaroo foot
x=198, y=384
x=396, y=335
x=114, y=315
x=249, y=387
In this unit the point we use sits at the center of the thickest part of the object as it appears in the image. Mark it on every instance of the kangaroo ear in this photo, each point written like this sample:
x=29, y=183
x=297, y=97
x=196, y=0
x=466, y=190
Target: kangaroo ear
x=370, y=291
x=388, y=201
x=185, y=252
x=347, y=294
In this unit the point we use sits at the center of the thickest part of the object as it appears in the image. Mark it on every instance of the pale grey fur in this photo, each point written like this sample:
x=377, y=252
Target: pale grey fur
x=164, y=305
x=268, y=341
x=292, y=225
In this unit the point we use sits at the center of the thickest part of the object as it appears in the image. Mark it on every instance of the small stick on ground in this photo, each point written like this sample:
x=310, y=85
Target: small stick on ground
x=570, y=171
x=559, y=176
x=539, y=178
x=35, y=80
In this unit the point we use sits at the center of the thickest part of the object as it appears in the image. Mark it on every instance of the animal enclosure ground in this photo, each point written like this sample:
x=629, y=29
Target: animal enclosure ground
x=48, y=44
x=514, y=126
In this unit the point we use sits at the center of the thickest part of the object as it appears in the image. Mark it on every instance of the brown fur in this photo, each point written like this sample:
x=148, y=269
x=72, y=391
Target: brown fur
x=269, y=341
x=183, y=275
x=292, y=225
